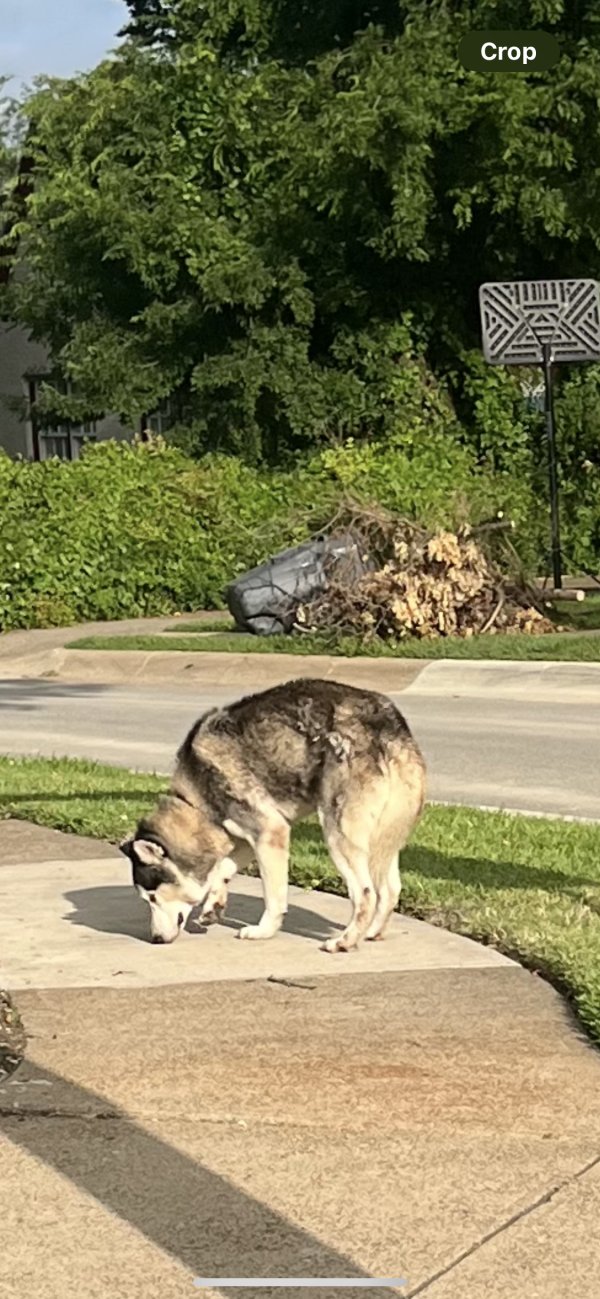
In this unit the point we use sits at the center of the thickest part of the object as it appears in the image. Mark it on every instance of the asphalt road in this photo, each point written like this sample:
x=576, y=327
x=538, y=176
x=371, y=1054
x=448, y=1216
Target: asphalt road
x=525, y=753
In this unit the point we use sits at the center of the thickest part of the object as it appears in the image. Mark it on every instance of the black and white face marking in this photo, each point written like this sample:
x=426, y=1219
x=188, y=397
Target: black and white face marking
x=170, y=893
x=168, y=915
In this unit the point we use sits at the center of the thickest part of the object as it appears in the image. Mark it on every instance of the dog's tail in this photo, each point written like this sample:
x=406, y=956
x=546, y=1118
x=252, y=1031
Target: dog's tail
x=400, y=813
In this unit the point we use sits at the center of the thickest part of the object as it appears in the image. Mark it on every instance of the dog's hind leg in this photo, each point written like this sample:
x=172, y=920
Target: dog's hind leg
x=388, y=896
x=352, y=861
x=272, y=853
x=399, y=815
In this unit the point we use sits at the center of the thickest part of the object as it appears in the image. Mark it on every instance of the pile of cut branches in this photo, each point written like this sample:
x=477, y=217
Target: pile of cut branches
x=424, y=584
x=12, y=1037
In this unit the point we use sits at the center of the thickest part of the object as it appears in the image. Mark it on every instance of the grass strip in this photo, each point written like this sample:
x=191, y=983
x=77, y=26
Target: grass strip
x=562, y=646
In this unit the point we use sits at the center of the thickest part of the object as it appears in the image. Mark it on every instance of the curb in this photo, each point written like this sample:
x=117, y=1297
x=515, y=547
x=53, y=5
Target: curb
x=178, y=668
x=543, y=679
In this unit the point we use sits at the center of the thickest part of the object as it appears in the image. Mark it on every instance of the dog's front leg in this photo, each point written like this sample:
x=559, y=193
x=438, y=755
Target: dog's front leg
x=215, y=902
x=272, y=853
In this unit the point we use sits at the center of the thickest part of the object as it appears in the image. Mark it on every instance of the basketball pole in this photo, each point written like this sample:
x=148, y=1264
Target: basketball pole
x=550, y=435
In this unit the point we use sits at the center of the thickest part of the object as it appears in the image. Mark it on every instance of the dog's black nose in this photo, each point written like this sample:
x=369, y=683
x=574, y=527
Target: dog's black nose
x=157, y=939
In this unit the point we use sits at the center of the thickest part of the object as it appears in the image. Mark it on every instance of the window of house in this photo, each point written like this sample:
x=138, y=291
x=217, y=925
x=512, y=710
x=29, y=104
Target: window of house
x=64, y=440
x=162, y=418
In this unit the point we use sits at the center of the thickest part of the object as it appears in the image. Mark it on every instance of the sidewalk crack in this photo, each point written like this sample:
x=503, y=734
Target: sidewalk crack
x=12, y=1112
x=546, y=1198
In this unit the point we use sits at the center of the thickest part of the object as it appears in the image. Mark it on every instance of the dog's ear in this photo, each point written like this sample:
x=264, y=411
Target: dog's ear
x=147, y=852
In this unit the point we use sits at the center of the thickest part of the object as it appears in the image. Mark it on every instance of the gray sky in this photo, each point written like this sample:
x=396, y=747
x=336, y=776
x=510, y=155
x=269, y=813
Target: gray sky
x=55, y=36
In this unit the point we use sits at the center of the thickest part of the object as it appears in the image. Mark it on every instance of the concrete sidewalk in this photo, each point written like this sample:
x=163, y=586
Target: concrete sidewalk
x=422, y=1110
x=442, y=1127
x=75, y=924
x=41, y=651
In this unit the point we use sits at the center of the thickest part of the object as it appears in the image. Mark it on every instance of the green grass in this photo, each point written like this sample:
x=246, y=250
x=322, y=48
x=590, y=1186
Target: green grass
x=529, y=887
x=218, y=623
x=584, y=616
x=74, y=795
x=559, y=646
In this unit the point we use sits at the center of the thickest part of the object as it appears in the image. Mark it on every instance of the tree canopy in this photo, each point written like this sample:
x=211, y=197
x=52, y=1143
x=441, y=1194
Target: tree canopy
x=8, y=145
x=279, y=211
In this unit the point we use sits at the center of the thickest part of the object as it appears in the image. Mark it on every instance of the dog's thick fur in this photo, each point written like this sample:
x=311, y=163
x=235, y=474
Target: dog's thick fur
x=247, y=772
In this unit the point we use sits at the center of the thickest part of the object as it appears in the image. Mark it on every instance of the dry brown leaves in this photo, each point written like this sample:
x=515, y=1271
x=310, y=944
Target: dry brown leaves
x=423, y=584
x=12, y=1037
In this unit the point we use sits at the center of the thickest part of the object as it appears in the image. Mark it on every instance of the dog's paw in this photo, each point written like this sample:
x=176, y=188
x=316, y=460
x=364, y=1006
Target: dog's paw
x=207, y=918
x=251, y=931
x=335, y=945
x=214, y=907
x=258, y=931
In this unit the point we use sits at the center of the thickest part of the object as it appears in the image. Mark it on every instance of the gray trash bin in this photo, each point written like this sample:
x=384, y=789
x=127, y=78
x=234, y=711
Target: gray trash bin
x=265, y=599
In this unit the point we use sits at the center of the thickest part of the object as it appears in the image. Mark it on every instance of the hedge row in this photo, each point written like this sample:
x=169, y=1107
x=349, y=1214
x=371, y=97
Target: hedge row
x=134, y=530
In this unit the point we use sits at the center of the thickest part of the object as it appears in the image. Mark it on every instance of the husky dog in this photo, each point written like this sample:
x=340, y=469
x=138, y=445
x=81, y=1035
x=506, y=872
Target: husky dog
x=247, y=772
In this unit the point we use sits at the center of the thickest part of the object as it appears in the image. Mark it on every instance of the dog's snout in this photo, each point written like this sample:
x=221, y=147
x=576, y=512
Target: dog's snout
x=158, y=938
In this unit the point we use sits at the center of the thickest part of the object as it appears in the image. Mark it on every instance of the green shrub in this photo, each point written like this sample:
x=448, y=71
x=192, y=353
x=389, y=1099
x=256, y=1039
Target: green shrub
x=139, y=530
x=131, y=531
x=117, y=534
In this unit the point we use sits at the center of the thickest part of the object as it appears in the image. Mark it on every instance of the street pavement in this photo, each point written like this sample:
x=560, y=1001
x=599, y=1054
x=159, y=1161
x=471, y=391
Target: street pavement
x=521, y=740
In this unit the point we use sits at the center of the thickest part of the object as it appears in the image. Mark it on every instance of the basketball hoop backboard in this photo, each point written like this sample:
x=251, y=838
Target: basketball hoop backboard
x=520, y=316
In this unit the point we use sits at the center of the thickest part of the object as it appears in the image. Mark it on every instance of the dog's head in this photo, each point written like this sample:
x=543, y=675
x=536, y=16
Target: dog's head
x=173, y=853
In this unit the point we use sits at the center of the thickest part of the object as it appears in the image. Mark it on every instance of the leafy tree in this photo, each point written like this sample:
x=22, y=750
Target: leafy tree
x=150, y=21
x=280, y=212
x=4, y=152
x=8, y=142
x=8, y=179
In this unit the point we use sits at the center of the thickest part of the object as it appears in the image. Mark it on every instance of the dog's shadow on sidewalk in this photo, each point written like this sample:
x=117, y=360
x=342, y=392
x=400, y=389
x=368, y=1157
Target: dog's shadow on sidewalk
x=112, y=909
